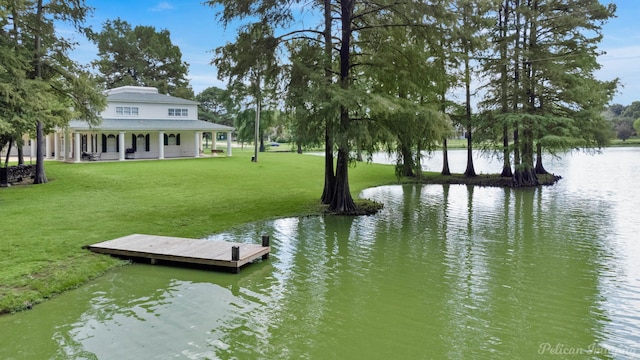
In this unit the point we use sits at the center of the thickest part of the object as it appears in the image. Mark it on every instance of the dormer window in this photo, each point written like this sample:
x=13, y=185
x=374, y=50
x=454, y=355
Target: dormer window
x=127, y=111
x=178, y=112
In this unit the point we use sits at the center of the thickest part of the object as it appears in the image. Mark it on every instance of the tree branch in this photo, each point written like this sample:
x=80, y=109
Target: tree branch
x=389, y=26
x=380, y=8
x=281, y=37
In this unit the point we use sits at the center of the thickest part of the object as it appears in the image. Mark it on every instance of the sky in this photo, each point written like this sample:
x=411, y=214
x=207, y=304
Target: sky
x=195, y=29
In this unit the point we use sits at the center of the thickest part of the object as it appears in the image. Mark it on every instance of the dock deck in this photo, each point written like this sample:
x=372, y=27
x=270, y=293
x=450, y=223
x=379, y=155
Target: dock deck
x=184, y=250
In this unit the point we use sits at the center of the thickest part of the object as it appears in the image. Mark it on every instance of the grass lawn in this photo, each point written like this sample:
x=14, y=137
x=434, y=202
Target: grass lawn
x=44, y=226
x=456, y=144
x=632, y=141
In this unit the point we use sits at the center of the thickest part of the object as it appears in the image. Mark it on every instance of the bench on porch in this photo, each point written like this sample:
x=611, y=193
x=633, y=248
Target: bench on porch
x=91, y=156
x=217, y=151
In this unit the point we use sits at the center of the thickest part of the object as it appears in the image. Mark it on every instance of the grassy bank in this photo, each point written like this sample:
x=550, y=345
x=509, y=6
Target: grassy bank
x=44, y=226
x=633, y=141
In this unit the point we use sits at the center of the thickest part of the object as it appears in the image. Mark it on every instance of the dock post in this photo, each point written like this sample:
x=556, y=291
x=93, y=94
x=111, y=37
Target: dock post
x=235, y=253
x=265, y=243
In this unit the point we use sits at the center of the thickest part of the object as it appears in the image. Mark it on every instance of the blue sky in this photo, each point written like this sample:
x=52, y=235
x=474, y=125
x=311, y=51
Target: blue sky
x=194, y=29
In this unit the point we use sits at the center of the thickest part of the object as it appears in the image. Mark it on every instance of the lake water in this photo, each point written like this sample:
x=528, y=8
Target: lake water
x=443, y=272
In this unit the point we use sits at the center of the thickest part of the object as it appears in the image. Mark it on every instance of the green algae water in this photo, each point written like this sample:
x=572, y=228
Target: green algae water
x=443, y=272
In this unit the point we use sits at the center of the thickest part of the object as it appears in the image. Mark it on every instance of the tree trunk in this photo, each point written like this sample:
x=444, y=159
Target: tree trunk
x=522, y=175
x=261, y=142
x=525, y=174
x=418, y=161
x=539, y=168
x=329, y=175
x=504, y=101
x=342, y=202
x=299, y=148
x=40, y=176
x=525, y=177
x=506, y=159
x=6, y=159
x=407, y=165
x=257, y=124
x=516, y=152
x=19, y=145
x=470, y=171
x=445, y=159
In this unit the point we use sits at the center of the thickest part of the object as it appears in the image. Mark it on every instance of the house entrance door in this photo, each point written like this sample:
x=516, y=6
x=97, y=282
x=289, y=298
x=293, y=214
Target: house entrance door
x=140, y=143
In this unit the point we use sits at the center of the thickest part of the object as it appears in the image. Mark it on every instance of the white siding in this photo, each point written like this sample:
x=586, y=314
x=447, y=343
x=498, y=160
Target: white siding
x=150, y=111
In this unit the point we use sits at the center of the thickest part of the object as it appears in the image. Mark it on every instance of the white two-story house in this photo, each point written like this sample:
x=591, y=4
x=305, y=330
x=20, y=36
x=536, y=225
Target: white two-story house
x=138, y=123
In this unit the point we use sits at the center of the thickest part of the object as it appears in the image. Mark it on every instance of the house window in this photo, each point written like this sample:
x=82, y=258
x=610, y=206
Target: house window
x=178, y=112
x=111, y=144
x=142, y=142
x=172, y=139
x=127, y=111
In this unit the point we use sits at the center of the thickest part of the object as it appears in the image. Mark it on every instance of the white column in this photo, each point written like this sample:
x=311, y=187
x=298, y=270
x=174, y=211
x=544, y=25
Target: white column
x=56, y=145
x=66, y=140
x=47, y=145
x=76, y=147
x=121, y=146
x=197, y=144
x=228, y=143
x=161, y=145
x=214, y=142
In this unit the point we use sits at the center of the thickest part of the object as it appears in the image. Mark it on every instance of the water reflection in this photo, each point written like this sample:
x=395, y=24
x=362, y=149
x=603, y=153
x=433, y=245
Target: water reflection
x=441, y=272
x=507, y=271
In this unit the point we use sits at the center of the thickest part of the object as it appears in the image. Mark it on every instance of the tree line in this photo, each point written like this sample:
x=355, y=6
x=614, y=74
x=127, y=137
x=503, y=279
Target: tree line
x=371, y=75
x=625, y=120
x=41, y=87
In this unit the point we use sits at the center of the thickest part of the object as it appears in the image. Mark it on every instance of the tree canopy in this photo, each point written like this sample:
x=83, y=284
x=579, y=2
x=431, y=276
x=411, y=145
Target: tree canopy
x=546, y=92
x=379, y=74
x=216, y=106
x=343, y=77
x=41, y=87
x=140, y=56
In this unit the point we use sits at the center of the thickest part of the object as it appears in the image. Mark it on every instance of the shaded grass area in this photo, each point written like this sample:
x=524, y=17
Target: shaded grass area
x=45, y=226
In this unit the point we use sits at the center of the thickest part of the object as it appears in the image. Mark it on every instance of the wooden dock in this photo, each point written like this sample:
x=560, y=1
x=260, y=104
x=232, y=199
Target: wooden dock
x=183, y=250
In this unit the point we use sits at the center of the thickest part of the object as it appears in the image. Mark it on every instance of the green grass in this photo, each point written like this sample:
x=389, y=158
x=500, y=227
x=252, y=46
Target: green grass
x=45, y=226
x=633, y=141
x=456, y=144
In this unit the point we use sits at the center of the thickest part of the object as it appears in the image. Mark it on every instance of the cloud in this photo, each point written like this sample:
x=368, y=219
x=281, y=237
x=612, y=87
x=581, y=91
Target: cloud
x=162, y=6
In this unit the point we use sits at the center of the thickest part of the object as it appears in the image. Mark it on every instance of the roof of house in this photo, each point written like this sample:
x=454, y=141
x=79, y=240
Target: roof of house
x=148, y=125
x=140, y=94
